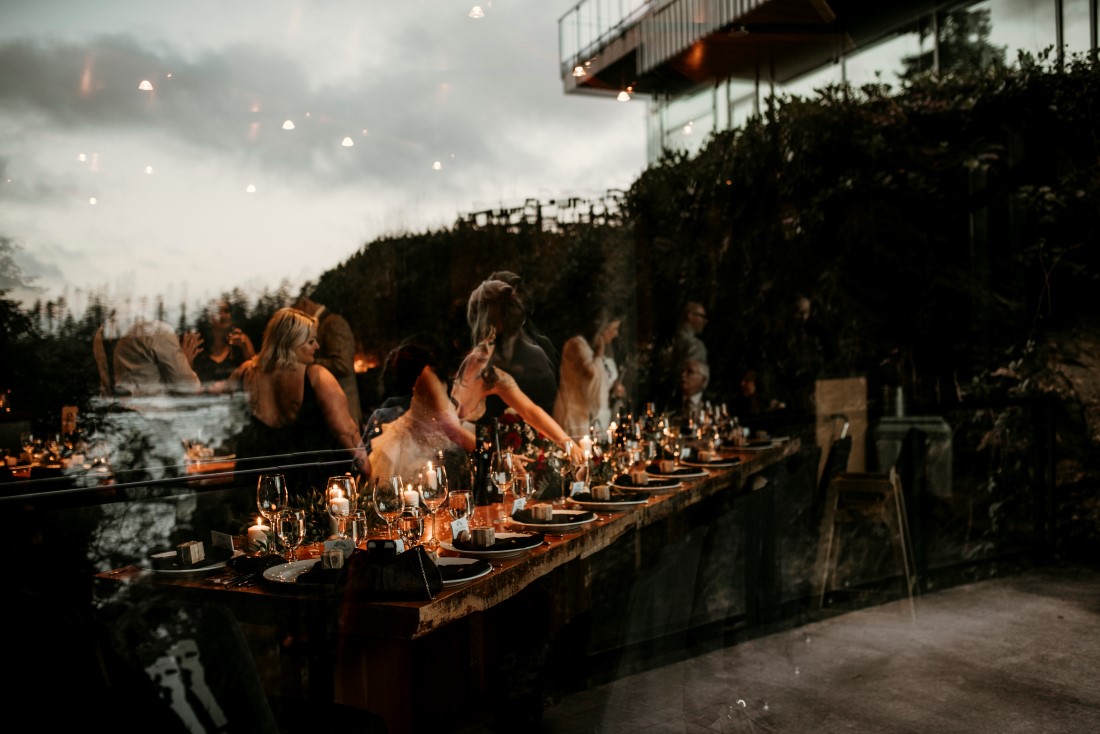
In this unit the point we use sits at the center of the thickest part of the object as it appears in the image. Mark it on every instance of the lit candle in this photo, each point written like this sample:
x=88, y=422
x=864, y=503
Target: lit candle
x=339, y=506
x=586, y=445
x=412, y=497
x=431, y=476
x=257, y=534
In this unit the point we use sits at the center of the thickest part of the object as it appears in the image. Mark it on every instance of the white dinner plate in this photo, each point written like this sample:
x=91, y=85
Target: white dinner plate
x=288, y=573
x=452, y=561
x=654, y=487
x=196, y=570
x=681, y=473
x=557, y=526
x=753, y=445
x=717, y=464
x=490, y=553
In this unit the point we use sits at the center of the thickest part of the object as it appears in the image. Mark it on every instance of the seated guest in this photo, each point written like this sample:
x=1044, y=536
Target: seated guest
x=694, y=377
x=427, y=430
x=479, y=378
x=297, y=413
x=151, y=359
x=223, y=347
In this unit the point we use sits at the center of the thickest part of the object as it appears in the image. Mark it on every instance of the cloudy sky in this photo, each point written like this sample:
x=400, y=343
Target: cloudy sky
x=446, y=115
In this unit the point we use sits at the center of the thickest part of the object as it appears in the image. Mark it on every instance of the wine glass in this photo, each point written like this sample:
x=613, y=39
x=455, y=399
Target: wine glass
x=271, y=497
x=388, y=499
x=28, y=441
x=410, y=526
x=561, y=461
x=290, y=529
x=502, y=472
x=524, y=486
x=433, y=486
x=340, y=494
x=460, y=504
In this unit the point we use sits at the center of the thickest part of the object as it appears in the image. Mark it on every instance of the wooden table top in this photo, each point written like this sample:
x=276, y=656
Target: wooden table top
x=414, y=619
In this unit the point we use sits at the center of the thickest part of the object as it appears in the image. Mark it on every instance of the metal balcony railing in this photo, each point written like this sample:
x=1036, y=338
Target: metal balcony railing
x=667, y=27
x=590, y=24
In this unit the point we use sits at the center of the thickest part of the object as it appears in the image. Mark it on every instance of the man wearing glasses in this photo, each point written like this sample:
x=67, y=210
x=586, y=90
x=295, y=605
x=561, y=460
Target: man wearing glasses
x=688, y=343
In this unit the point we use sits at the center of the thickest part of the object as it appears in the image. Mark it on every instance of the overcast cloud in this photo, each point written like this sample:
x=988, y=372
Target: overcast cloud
x=410, y=83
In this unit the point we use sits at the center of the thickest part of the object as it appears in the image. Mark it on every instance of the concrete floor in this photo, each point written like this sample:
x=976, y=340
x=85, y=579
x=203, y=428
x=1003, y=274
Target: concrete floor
x=1013, y=654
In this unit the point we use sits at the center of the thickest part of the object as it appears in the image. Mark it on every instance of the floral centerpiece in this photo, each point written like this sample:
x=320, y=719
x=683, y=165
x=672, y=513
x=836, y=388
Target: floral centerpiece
x=534, y=448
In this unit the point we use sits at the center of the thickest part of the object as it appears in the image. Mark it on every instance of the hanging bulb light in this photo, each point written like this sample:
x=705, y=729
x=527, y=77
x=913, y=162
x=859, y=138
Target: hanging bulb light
x=578, y=71
x=624, y=96
x=476, y=12
x=146, y=85
x=288, y=125
x=347, y=142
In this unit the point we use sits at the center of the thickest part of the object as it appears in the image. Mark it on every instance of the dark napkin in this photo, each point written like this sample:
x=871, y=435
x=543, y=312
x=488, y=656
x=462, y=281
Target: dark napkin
x=678, y=472
x=172, y=563
x=525, y=541
x=615, y=497
x=559, y=518
x=719, y=460
x=317, y=575
x=459, y=571
x=623, y=480
x=254, y=564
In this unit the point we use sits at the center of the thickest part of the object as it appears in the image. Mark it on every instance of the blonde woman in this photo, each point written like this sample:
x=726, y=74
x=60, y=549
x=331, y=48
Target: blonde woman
x=297, y=411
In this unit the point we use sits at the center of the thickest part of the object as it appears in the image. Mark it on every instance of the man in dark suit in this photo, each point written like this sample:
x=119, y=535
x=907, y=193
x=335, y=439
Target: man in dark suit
x=337, y=351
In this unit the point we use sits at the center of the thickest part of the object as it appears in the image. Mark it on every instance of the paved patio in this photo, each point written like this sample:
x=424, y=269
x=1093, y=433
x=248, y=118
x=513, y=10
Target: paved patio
x=1014, y=654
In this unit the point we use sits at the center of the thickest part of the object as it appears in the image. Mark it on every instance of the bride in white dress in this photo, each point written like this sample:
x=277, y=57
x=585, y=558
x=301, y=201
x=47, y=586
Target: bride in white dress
x=429, y=428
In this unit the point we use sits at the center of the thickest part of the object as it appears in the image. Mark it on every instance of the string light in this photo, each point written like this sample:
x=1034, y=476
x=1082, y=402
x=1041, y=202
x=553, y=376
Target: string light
x=476, y=12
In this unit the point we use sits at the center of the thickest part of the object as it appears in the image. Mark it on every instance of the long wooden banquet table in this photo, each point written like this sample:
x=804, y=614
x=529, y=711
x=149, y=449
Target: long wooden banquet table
x=458, y=658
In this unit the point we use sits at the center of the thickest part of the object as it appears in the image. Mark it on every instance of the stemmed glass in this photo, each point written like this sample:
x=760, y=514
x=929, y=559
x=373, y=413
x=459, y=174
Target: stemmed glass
x=524, y=486
x=290, y=529
x=340, y=493
x=561, y=461
x=271, y=497
x=433, y=486
x=502, y=471
x=29, y=443
x=388, y=500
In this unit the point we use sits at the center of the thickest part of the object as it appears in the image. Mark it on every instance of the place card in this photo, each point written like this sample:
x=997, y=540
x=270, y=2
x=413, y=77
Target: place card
x=576, y=487
x=458, y=526
x=344, y=545
x=518, y=504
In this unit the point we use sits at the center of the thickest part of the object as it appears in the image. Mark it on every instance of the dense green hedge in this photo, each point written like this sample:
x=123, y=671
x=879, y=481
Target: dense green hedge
x=935, y=231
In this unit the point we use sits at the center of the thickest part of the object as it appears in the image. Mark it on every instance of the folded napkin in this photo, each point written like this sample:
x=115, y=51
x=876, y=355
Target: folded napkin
x=681, y=471
x=460, y=571
x=524, y=516
x=168, y=559
x=515, y=542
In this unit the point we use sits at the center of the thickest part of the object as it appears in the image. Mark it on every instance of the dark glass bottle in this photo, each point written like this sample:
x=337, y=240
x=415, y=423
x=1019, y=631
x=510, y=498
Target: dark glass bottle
x=483, y=451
